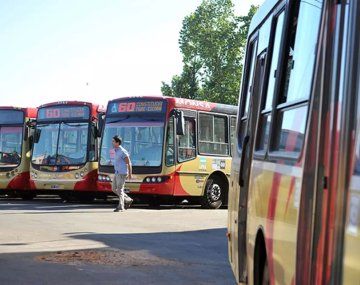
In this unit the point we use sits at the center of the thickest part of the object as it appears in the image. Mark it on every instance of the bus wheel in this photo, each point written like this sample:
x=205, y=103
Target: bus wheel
x=213, y=195
x=154, y=203
x=86, y=198
x=27, y=196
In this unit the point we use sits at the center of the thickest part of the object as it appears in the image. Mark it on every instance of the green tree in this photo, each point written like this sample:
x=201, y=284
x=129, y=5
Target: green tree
x=212, y=42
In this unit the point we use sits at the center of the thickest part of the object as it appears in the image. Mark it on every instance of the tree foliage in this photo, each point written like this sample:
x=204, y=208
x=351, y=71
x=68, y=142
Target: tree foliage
x=212, y=41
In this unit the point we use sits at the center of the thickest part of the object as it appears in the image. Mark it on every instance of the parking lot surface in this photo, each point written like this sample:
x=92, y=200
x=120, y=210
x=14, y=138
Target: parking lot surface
x=48, y=242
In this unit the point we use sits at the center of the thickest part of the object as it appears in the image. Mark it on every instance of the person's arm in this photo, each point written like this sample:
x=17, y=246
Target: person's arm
x=129, y=166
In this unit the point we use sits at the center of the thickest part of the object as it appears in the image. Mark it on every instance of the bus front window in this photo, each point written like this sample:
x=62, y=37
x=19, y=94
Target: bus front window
x=61, y=144
x=10, y=146
x=72, y=148
x=44, y=151
x=170, y=147
x=143, y=139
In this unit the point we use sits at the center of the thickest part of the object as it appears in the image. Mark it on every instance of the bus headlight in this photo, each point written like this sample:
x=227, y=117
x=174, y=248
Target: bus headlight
x=77, y=176
x=156, y=179
x=108, y=179
x=82, y=174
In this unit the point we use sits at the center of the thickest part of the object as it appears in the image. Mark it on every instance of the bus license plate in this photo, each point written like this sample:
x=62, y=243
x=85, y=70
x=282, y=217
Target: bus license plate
x=55, y=186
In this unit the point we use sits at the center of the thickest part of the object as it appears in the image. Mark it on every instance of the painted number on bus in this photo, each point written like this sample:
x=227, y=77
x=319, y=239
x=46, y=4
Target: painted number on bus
x=52, y=113
x=127, y=107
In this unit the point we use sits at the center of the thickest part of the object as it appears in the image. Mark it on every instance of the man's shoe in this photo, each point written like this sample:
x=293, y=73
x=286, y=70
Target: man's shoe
x=118, y=210
x=128, y=204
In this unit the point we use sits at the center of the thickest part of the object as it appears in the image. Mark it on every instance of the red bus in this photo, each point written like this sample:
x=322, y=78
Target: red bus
x=179, y=148
x=294, y=200
x=65, y=155
x=15, y=145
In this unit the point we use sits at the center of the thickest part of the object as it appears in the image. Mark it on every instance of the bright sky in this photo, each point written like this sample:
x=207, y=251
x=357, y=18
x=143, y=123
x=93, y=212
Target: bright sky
x=89, y=50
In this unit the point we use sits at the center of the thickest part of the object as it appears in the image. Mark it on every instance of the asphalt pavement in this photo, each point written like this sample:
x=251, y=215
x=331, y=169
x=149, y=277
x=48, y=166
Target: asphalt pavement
x=48, y=242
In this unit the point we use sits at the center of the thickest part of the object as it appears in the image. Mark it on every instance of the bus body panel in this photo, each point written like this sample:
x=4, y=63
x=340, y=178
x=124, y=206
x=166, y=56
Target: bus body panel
x=273, y=209
x=188, y=179
x=82, y=179
x=352, y=234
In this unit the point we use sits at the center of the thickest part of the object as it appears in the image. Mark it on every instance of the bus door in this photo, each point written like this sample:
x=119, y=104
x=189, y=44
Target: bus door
x=186, y=152
x=246, y=134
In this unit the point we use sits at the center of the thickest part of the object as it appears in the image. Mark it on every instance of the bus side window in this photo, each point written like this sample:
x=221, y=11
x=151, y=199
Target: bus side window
x=213, y=137
x=245, y=103
x=187, y=145
x=265, y=117
x=299, y=66
x=232, y=133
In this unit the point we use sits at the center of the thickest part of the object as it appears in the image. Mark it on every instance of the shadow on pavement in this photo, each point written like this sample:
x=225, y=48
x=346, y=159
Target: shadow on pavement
x=56, y=205
x=194, y=257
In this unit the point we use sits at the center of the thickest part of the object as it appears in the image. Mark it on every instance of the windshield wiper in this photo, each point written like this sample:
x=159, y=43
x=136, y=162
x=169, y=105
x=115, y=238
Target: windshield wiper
x=77, y=125
x=118, y=120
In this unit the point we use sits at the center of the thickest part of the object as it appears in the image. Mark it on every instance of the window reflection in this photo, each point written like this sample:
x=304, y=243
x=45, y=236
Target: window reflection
x=186, y=147
x=291, y=126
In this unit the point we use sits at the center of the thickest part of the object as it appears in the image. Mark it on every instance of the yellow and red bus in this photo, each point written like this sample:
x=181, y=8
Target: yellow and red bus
x=179, y=148
x=64, y=158
x=294, y=200
x=15, y=145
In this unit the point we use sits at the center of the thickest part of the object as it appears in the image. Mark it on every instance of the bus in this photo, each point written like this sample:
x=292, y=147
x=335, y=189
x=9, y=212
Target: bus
x=15, y=145
x=64, y=159
x=294, y=200
x=180, y=148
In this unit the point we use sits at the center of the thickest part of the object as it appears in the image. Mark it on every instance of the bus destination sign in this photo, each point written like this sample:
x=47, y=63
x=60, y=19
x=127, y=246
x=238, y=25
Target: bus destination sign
x=137, y=107
x=11, y=117
x=63, y=113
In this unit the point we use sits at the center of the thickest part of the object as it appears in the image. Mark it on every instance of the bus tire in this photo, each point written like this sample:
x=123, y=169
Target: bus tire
x=214, y=194
x=86, y=197
x=154, y=203
x=27, y=196
x=261, y=267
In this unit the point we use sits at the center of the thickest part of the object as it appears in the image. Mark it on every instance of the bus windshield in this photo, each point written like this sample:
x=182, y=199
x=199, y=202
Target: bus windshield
x=141, y=136
x=10, y=146
x=61, y=144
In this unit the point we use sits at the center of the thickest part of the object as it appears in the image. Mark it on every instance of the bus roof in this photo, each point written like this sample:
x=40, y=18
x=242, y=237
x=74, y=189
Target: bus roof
x=262, y=13
x=189, y=104
x=29, y=112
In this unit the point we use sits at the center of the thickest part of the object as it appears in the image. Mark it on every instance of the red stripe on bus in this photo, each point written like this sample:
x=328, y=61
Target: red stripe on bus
x=291, y=191
x=269, y=239
x=88, y=183
x=20, y=181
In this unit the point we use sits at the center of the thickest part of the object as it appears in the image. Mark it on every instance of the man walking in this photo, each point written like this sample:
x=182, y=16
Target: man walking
x=123, y=169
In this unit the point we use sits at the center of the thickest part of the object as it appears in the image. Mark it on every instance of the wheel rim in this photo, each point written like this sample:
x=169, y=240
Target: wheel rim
x=214, y=193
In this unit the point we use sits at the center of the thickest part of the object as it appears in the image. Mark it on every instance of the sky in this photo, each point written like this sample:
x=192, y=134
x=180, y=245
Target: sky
x=90, y=50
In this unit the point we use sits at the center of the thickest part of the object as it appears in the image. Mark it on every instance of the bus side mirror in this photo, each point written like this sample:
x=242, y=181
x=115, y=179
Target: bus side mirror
x=101, y=123
x=180, y=123
x=26, y=134
x=37, y=134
